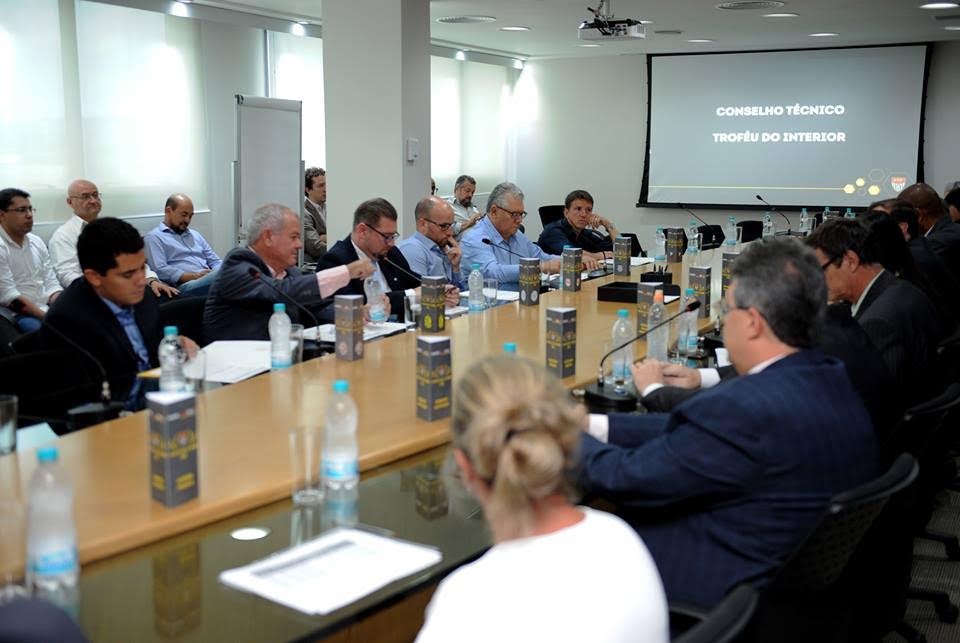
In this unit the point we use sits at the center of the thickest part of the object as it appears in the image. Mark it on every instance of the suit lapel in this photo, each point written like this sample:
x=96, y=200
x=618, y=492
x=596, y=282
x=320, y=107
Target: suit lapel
x=882, y=283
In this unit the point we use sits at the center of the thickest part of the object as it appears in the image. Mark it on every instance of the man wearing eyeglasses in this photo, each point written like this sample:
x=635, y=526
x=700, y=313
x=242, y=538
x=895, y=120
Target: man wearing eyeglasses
x=86, y=201
x=432, y=250
x=28, y=284
x=500, y=259
x=374, y=237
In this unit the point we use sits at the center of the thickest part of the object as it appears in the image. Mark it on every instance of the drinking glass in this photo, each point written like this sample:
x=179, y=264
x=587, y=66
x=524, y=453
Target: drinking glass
x=411, y=310
x=8, y=424
x=195, y=370
x=296, y=343
x=305, y=465
x=490, y=287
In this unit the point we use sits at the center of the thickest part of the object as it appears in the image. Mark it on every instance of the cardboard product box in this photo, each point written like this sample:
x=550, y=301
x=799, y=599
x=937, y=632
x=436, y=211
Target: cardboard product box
x=434, y=378
x=433, y=304
x=571, y=269
x=530, y=282
x=727, y=263
x=700, y=282
x=562, y=341
x=645, y=294
x=173, y=447
x=621, y=256
x=674, y=245
x=348, y=319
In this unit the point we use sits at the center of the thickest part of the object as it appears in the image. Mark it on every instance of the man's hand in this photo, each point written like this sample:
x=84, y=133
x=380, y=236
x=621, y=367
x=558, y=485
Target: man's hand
x=682, y=376
x=472, y=221
x=323, y=238
x=386, y=308
x=160, y=288
x=360, y=269
x=551, y=266
x=647, y=372
x=451, y=297
x=53, y=297
x=189, y=346
x=454, y=253
x=193, y=276
x=590, y=263
x=598, y=221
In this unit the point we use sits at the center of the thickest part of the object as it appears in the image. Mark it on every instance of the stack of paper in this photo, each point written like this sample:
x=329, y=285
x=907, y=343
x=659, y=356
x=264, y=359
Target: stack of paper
x=334, y=570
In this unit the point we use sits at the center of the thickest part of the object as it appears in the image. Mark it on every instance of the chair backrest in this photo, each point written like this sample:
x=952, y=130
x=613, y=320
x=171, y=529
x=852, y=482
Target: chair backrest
x=948, y=357
x=726, y=621
x=550, y=213
x=820, y=560
x=711, y=236
x=186, y=313
x=48, y=383
x=8, y=334
x=752, y=230
x=921, y=423
x=27, y=343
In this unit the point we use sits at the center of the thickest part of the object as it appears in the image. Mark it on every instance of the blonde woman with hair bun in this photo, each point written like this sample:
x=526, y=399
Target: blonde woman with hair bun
x=557, y=571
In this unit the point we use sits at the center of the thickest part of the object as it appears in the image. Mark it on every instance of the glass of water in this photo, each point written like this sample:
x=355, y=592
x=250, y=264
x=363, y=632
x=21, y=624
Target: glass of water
x=8, y=424
x=490, y=287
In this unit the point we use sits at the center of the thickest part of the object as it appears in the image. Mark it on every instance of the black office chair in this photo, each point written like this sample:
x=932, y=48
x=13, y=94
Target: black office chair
x=550, y=213
x=186, y=313
x=27, y=343
x=752, y=230
x=948, y=357
x=711, y=236
x=805, y=601
x=8, y=333
x=725, y=623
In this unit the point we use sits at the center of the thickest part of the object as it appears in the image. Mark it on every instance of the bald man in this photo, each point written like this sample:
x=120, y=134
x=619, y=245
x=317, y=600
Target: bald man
x=86, y=201
x=181, y=256
x=432, y=249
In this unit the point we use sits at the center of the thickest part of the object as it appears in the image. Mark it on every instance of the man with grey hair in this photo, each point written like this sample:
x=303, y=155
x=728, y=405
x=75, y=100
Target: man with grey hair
x=723, y=489
x=241, y=297
x=499, y=257
x=465, y=210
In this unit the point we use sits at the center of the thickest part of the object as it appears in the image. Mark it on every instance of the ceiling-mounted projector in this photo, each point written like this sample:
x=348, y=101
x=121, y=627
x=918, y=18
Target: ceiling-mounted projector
x=605, y=27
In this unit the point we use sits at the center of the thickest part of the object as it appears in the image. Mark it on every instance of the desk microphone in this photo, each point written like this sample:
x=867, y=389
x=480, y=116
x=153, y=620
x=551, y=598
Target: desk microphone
x=94, y=412
x=507, y=250
x=600, y=398
x=692, y=213
x=760, y=198
x=716, y=232
x=401, y=269
x=253, y=272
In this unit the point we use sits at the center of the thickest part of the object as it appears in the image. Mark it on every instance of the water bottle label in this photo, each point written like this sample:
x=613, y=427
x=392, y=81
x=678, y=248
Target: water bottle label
x=378, y=315
x=53, y=563
x=339, y=469
x=280, y=362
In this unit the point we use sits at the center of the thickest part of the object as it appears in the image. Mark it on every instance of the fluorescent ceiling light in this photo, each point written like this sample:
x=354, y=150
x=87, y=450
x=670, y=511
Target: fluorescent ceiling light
x=250, y=533
x=699, y=40
x=940, y=5
x=781, y=15
x=180, y=10
x=953, y=28
x=645, y=22
x=589, y=45
x=297, y=29
x=823, y=34
x=518, y=64
x=516, y=28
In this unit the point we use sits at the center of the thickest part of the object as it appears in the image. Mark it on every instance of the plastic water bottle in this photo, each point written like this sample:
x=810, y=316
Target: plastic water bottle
x=769, y=230
x=690, y=321
x=374, y=292
x=693, y=238
x=623, y=332
x=52, y=563
x=660, y=245
x=171, y=357
x=475, y=285
x=657, y=339
x=340, y=469
x=849, y=214
x=281, y=355
x=683, y=328
x=804, y=222
x=730, y=234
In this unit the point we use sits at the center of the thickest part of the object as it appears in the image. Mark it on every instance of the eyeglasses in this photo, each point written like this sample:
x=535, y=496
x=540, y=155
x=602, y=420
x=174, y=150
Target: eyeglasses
x=829, y=262
x=516, y=216
x=386, y=237
x=443, y=226
x=24, y=209
x=87, y=196
x=726, y=307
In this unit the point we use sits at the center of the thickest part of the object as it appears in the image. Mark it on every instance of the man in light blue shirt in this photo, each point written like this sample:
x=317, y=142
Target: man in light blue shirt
x=180, y=256
x=432, y=249
x=500, y=259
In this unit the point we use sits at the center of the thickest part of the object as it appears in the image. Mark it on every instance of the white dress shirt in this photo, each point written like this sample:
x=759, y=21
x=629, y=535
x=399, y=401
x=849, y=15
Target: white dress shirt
x=26, y=271
x=63, y=252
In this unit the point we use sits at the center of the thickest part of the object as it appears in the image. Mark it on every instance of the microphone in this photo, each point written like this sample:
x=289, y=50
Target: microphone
x=93, y=412
x=401, y=269
x=507, y=250
x=692, y=213
x=715, y=230
x=600, y=399
x=253, y=272
x=760, y=198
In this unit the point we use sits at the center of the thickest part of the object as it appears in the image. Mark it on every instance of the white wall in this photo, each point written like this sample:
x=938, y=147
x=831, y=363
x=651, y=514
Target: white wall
x=581, y=123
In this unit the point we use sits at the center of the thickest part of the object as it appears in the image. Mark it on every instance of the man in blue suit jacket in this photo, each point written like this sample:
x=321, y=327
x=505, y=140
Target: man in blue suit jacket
x=724, y=488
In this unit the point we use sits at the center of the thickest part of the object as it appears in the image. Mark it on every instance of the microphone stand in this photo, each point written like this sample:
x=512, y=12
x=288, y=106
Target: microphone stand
x=606, y=399
x=257, y=275
x=785, y=218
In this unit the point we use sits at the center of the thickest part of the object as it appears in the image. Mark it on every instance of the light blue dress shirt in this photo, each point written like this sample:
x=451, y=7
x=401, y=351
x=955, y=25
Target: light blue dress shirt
x=426, y=258
x=171, y=254
x=495, y=262
x=129, y=323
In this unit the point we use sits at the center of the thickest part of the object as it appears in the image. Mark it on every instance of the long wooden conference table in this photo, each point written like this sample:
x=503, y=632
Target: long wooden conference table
x=243, y=455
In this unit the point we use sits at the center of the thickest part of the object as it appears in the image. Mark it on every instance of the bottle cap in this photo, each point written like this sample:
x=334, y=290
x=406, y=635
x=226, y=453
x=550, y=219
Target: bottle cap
x=47, y=454
x=623, y=313
x=475, y=266
x=170, y=331
x=341, y=386
x=509, y=347
x=279, y=307
x=658, y=296
x=691, y=291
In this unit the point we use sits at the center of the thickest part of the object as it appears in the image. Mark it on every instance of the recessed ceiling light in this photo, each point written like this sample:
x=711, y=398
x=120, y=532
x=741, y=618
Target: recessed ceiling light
x=250, y=533
x=517, y=64
x=297, y=29
x=180, y=9
x=460, y=55
x=823, y=34
x=590, y=45
x=465, y=20
x=699, y=40
x=645, y=22
x=303, y=22
x=781, y=15
x=940, y=5
x=953, y=28
x=515, y=28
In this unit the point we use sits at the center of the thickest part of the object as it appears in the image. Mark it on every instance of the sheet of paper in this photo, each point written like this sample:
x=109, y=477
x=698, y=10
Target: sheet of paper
x=234, y=361
x=35, y=435
x=334, y=570
x=508, y=295
x=456, y=311
x=634, y=261
x=328, y=332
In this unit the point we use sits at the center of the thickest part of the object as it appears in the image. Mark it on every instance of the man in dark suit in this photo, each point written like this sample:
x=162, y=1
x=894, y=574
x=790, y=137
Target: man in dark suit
x=935, y=224
x=667, y=385
x=729, y=484
x=373, y=238
x=314, y=217
x=241, y=298
x=899, y=319
x=109, y=311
